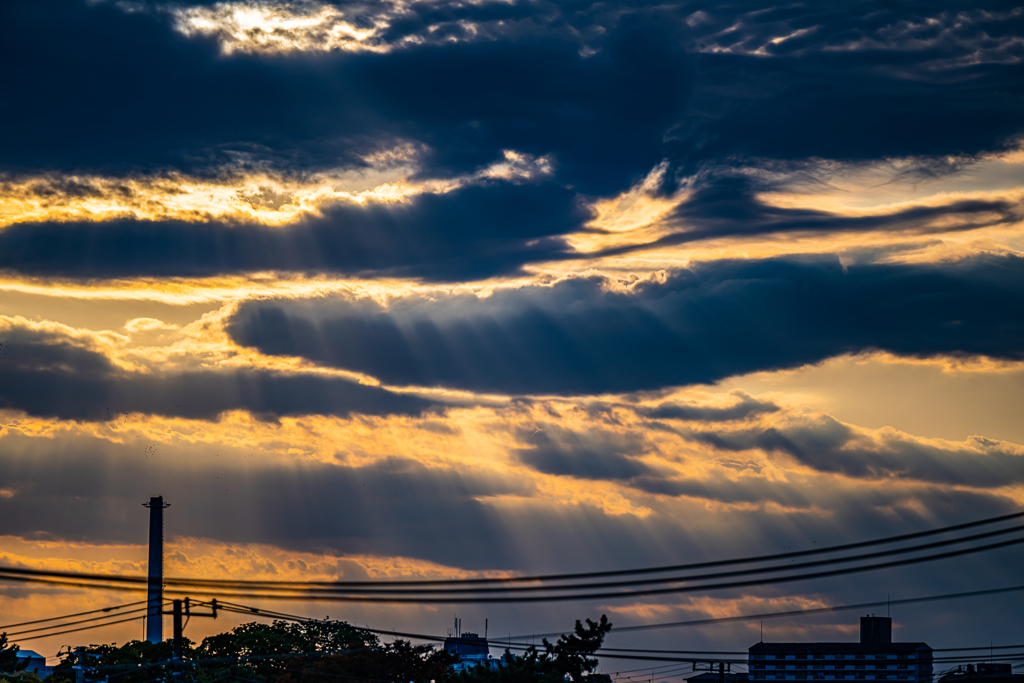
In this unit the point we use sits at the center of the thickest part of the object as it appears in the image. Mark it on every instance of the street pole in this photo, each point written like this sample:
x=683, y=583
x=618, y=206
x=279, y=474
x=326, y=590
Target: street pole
x=178, y=655
x=79, y=665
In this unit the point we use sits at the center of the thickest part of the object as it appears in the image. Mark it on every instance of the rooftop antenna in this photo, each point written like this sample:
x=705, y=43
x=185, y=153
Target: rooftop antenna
x=485, y=629
x=155, y=594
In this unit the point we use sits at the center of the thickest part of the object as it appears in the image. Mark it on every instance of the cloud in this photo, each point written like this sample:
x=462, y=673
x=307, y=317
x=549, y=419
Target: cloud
x=178, y=102
x=596, y=455
x=826, y=445
x=285, y=27
x=606, y=91
x=724, y=205
x=591, y=335
x=853, y=81
x=470, y=232
x=79, y=489
x=601, y=455
x=47, y=374
x=746, y=406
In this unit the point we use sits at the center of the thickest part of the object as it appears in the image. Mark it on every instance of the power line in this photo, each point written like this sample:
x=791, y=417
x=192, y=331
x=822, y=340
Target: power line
x=519, y=579
x=76, y=630
x=302, y=591
x=81, y=621
x=69, y=616
x=616, y=594
x=799, y=612
x=648, y=581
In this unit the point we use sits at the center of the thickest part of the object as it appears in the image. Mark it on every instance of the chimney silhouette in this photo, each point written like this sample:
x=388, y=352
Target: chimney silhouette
x=155, y=594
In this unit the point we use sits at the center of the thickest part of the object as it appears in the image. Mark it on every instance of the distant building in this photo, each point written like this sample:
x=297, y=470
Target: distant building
x=874, y=658
x=982, y=672
x=33, y=662
x=716, y=677
x=471, y=649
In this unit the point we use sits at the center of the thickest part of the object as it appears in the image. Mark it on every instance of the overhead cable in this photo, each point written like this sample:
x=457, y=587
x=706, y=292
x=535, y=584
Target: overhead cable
x=174, y=581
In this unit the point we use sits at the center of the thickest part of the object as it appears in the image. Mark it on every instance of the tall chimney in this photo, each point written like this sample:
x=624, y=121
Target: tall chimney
x=155, y=594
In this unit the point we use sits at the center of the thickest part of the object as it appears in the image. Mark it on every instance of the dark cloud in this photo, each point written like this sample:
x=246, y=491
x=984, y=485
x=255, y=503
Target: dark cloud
x=600, y=455
x=477, y=231
x=744, y=491
x=588, y=336
x=604, y=90
x=47, y=375
x=830, y=446
x=99, y=88
x=81, y=489
x=728, y=206
x=746, y=406
x=854, y=81
x=474, y=231
x=596, y=455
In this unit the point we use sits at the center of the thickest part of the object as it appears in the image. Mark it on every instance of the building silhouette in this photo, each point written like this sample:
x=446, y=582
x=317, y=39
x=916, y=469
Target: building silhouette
x=874, y=658
x=471, y=649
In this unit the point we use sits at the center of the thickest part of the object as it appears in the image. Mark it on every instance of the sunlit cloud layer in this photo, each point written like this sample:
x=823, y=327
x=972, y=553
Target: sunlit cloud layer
x=439, y=289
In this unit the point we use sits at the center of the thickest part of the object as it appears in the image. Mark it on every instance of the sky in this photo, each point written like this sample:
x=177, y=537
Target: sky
x=455, y=288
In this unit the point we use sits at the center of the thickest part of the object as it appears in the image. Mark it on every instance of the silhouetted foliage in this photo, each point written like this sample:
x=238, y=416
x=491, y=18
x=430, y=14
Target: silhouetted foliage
x=321, y=652
x=134, y=662
x=8, y=655
x=20, y=677
x=263, y=652
x=397, y=661
x=570, y=657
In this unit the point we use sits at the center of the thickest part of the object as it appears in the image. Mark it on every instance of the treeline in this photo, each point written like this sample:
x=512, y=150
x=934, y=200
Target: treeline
x=316, y=652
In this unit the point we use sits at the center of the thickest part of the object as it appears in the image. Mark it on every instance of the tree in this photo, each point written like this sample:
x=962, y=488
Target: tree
x=569, y=658
x=133, y=662
x=397, y=661
x=20, y=677
x=265, y=651
x=8, y=656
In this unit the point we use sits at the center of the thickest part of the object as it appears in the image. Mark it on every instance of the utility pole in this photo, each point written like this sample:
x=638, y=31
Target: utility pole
x=177, y=640
x=79, y=666
x=184, y=608
x=155, y=595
